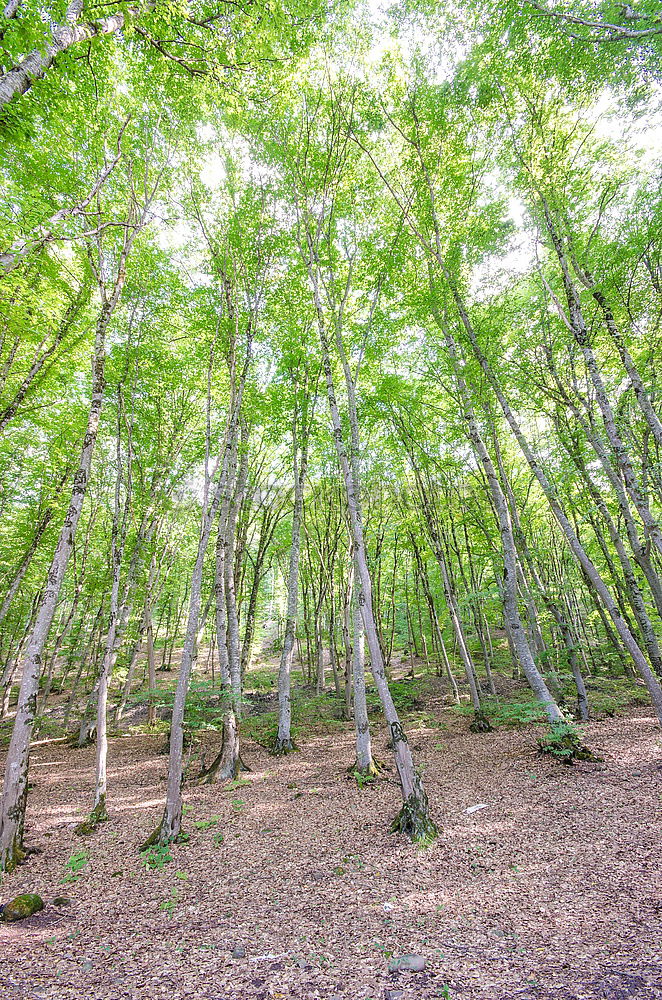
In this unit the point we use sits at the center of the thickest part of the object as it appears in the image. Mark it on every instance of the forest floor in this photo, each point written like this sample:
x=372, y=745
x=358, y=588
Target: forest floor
x=553, y=891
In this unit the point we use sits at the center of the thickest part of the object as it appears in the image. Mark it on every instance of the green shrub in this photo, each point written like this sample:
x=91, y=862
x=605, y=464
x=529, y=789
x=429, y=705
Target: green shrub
x=74, y=866
x=156, y=857
x=520, y=711
x=169, y=904
x=564, y=743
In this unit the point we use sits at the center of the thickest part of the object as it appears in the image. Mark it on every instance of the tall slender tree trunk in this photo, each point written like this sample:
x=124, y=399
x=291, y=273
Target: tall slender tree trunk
x=365, y=763
x=414, y=818
x=15, y=657
x=85, y=657
x=22, y=568
x=348, y=595
x=632, y=589
x=120, y=521
x=300, y=465
x=35, y=65
x=171, y=822
x=639, y=547
x=151, y=658
x=551, y=605
x=15, y=788
x=480, y=722
x=578, y=550
x=39, y=365
x=434, y=620
x=513, y=621
x=641, y=394
x=434, y=247
x=580, y=333
x=230, y=749
x=146, y=621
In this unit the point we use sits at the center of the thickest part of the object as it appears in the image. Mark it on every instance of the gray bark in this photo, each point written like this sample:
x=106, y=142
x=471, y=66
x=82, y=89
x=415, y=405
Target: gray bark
x=577, y=549
x=300, y=465
x=110, y=650
x=552, y=605
x=171, y=823
x=364, y=761
x=22, y=568
x=15, y=789
x=34, y=66
x=414, y=818
x=580, y=333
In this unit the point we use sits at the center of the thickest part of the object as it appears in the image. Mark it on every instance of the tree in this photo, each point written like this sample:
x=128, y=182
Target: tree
x=15, y=789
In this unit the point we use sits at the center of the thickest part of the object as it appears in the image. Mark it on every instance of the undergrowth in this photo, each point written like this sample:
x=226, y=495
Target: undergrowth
x=607, y=696
x=564, y=743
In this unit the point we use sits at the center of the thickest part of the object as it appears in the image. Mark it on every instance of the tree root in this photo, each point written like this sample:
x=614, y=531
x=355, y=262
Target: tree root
x=216, y=772
x=366, y=775
x=208, y=775
x=280, y=748
x=481, y=723
x=14, y=857
x=156, y=839
x=98, y=815
x=152, y=840
x=85, y=828
x=414, y=820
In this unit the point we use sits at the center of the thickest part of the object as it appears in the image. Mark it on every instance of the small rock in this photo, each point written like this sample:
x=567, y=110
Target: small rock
x=407, y=963
x=393, y=994
x=636, y=774
x=388, y=907
x=473, y=809
x=22, y=907
x=61, y=901
x=239, y=951
x=497, y=932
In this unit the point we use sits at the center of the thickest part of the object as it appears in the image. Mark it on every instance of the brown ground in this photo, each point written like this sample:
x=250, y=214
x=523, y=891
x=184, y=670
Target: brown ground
x=553, y=891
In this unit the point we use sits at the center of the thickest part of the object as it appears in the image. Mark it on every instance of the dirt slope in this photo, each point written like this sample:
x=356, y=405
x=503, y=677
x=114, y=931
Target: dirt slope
x=552, y=891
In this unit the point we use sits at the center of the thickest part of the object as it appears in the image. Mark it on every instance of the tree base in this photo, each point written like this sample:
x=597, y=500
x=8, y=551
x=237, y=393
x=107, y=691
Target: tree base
x=281, y=747
x=151, y=840
x=13, y=857
x=88, y=739
x=414, y=821
x=157, y=838
x=365, y=775
x=215, y=772
x=97, y=816
x=481, y=723
x=220, y=770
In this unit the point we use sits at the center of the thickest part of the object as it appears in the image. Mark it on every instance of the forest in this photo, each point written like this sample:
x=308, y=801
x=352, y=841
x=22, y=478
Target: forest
x=331, y=496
